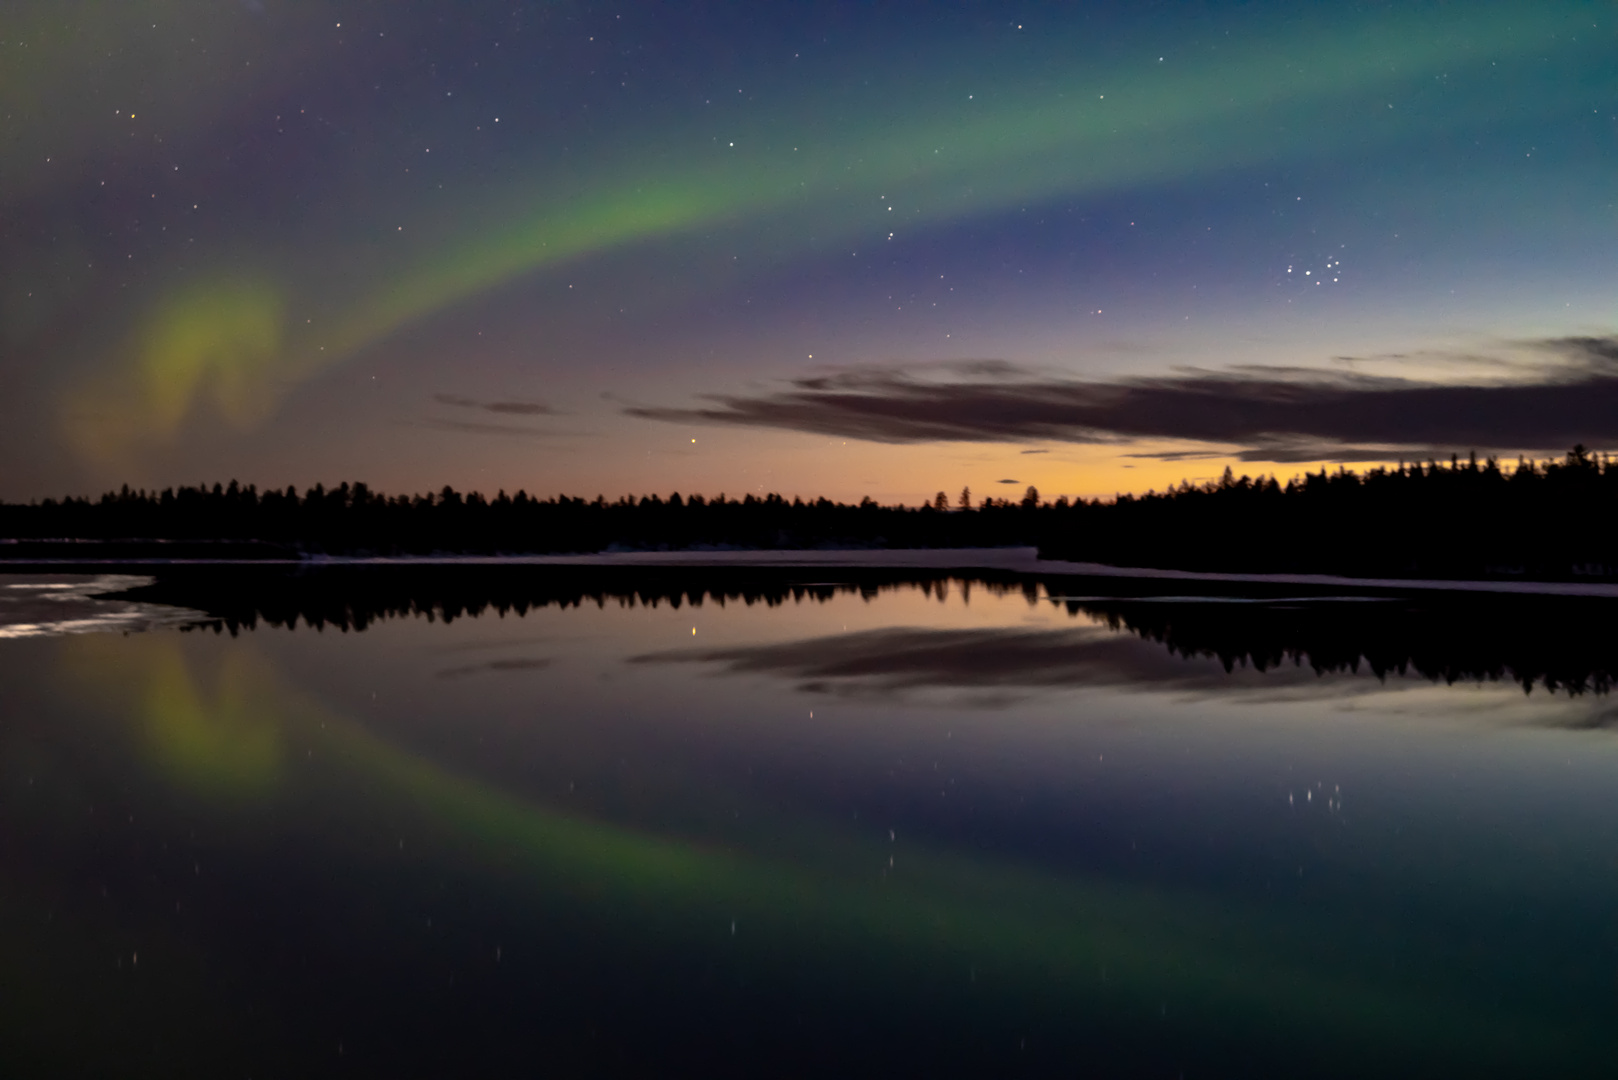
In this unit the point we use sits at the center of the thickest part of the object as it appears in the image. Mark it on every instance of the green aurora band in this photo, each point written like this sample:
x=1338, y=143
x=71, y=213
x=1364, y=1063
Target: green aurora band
x=919, y=155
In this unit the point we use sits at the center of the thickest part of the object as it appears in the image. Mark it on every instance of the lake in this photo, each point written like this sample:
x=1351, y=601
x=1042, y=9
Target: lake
x=777, y=821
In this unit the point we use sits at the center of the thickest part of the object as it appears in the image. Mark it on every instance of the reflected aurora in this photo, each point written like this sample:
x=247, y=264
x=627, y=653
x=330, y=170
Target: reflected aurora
x=1087, y=944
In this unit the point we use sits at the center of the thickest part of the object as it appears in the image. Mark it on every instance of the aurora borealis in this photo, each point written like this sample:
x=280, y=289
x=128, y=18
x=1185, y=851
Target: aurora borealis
x=606, y=248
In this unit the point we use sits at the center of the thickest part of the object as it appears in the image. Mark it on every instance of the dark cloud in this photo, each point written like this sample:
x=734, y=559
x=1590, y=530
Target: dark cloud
x=1270, y=414
x=509, y=408
x=1179, y=455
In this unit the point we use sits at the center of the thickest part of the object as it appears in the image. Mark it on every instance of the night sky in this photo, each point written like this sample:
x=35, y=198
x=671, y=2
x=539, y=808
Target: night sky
x=820, y=249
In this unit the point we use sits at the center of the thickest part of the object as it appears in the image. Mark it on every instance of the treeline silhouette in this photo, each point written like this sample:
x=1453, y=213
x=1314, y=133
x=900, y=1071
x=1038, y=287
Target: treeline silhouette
x=1544, y=520
x=1555, y=519
x=1532, y=641
x=351, y=519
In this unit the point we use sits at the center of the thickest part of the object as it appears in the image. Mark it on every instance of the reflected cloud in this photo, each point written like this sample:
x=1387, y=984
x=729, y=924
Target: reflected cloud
x=998, y=664
x=520, y=664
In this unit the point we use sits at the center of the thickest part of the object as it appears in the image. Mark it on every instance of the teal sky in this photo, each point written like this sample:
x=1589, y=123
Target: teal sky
x=601, y=248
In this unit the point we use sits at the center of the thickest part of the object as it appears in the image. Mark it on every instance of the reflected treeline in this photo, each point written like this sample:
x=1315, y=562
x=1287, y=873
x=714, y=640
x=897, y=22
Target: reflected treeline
x=1558, y=643
x=1555, y=642
x=354, y=597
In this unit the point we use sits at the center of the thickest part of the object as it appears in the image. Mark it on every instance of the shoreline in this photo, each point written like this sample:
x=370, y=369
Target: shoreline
x=1019, y=560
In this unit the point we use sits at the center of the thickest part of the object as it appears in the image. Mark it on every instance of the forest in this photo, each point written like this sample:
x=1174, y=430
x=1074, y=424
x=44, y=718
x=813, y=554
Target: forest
x=1554, y=519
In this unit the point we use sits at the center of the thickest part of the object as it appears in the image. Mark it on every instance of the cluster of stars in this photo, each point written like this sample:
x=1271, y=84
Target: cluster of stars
x=1330, y=274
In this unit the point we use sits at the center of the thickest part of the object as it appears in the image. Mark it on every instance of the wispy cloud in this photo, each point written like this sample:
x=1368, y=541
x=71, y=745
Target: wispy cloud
x=1261, y=413
x=509, y=408
x=474, y=427
x=512, y=409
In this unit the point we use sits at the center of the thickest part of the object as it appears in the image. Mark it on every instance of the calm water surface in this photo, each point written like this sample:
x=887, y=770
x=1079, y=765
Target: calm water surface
x=803, y=827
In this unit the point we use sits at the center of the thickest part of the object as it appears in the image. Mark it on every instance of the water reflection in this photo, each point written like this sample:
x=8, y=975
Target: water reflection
x=892, y=662
x=1550, y=642
x=461, y=846
x=833, y=900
